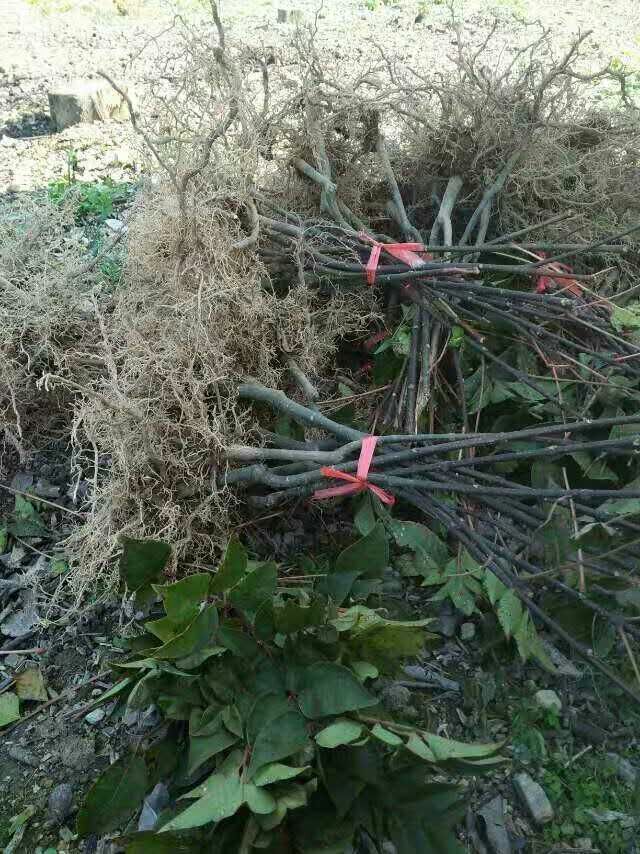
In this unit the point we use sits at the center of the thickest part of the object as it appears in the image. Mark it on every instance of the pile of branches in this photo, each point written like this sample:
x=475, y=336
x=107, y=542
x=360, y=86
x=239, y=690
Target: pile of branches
x=518, y=532
x=551, y=309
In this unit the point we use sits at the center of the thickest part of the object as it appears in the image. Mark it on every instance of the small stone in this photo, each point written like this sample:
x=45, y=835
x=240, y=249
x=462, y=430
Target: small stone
x=282, y=16
x=627, y=772
x=59, y=803
x=20, y=623
x=22, y=481
x=493, y=820
x=467, y=631
x=396, y=697
x=446, y=625
x=534, y=798
x=20, y=754
x=585, y=843
x=153, y=805
x=548, y=701
x=45, y=489
x=94, y=717
x=115, y=225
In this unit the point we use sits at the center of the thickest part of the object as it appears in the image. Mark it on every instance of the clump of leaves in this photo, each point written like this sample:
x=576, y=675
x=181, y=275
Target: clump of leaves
x=590, y=800
x=92, y=202
x=460, y=578
x=276, y=741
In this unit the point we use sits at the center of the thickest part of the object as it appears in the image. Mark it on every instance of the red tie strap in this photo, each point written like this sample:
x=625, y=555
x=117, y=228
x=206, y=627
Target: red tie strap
x=545, y=282
x=405, y=252
x=359, y=483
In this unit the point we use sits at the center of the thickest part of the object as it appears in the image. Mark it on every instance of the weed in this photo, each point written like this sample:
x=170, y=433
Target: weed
x=276, y=737
x=580, y=790
x=527, y=724
x=93, y=202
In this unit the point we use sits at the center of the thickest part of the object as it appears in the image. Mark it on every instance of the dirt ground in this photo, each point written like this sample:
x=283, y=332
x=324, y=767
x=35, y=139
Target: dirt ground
x=42, y=46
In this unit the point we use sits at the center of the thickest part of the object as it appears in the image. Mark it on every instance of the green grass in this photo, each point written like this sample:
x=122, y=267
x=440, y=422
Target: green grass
x=588, y=784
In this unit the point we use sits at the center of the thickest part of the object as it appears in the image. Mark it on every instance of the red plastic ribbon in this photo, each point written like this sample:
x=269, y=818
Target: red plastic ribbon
x=405, y=252
x=359, y=483
x=545, y=282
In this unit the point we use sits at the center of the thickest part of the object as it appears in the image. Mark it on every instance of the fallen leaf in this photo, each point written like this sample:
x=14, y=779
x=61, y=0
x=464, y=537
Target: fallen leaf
x=29, y=685
x=9, y=708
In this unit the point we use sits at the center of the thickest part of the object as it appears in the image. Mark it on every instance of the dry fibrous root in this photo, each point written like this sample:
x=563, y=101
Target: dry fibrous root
x=174, y=347
x=457, y=482
x=47, y=299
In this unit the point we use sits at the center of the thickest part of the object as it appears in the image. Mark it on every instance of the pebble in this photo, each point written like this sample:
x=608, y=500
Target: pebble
x=95, y=716
x=548, y=700
x=153, y=805
x=492, y=816
x=59, y=803
x=627, y=772
x=446, y=625
x=534, y=798
x=19, y=754
x=45, y=489
x=467, y=631
x=396, y=697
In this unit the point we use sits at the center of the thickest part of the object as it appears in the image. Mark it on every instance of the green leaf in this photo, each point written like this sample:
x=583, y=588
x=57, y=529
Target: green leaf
x=9, y=708
x=256, y=587
x=150, y=842
x=259, y=800
x=237, y=641
x=445, y=749
x=293, y=618
x=530, y=645
x=494, y=587
x=417, y=746
x=191, y=662
x=114, y=797
x=182, y=600
x=196, y=636
x=368, y=556
x=341, y=731
x=232, y=568
x=27, y=521
x=377, y=640
x=4, y=539
x=266, y=708
x=594, y=469
x=29, y=685
x=364, y=518
x=274, y=772
x=143, y=562
x=205, y=747
x=364, y=670
x=621, y=507
x=626, y=318
x=460, y=586
x=386, y=736
x=281, y=737
x=456, y=338
x=221, y=797
x=509, y=613
x=418, y=538
x=331, y=689
x=58, y=567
